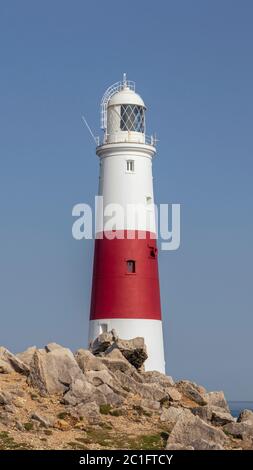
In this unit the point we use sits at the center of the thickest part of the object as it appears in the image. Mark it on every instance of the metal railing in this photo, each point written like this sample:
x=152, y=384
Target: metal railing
x=141, y=139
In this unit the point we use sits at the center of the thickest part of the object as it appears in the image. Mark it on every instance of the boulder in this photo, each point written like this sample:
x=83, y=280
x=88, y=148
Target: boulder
x=101, y=377
x=150, y=391
x=150, y=405
x=5, y=368
x=27, y=355
x=87, y=411
x=203, y=412
x=134, y=350
x=102, y=343
x=190, y=430
x=172, y=414
x=53, y=372
x=246, y=416
x=217, y=399
x=52, y=346
x=192, y=391
x=174, y=394
x=157, y=377
x=239, y=430
x=87, y=361
x=14, y=362
x=114, y=360
x=220, y=416
x=109, y=396
x=45, y=421
x=80, y=391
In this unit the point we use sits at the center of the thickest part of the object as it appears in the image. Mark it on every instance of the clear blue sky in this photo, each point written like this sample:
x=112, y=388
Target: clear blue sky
x=192, y=63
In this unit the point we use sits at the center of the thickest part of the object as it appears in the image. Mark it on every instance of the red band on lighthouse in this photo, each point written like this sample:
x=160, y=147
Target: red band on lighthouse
x=125, y=278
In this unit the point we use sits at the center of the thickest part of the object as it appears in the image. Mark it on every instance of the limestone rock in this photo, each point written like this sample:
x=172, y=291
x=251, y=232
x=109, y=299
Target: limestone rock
x=203, y=412
x=45, y=421
x=101, y=377
x=53, y=372
x=172, y=414
x=149, y=391
x=87, y=361
x=217, y=399
x=190, y=430
x=52, y=346
x=27, y=355
x=192, y=391
x=102, y=343
x=151, y=405
x=109, y=396
x=157, y=377
x=174, y=394
x=246, y=416
x=5, y=368
x=14, y=362
x=87, y=411
x=114, y=360
x=239, y=430
x=80, y=391
x=134, y=350
x=220, y=416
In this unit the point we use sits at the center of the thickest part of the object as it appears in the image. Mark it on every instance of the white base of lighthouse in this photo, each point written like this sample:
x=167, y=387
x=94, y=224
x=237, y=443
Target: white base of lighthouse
x=150, y=330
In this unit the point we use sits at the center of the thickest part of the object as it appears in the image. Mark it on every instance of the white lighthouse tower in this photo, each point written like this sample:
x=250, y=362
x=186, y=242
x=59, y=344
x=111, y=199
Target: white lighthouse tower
x=125, y=288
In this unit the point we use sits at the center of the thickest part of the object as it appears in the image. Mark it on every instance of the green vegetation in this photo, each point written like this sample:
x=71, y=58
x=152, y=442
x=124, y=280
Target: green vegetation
x=141, y=411
x=109, y=439
x=62, y=415
x=116, y=412
x=28, y=426
x=105, y=409
x=7, y=443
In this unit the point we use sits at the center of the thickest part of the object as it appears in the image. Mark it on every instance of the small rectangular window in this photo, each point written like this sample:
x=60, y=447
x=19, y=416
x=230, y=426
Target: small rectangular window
x=130, y=165
x=131, y=266
x=149, y=200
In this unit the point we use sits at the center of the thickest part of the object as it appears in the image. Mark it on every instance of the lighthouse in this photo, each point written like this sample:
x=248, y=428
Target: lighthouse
x=125, y=285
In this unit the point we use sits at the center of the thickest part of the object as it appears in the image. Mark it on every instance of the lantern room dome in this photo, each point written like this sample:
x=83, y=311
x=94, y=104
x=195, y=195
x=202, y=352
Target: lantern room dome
x=126, y=96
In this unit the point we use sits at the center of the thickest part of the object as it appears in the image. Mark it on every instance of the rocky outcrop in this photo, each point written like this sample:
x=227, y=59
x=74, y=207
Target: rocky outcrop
x=94, y=390
x=192, y=391
x=239, y=430
x=216, y=399
x=246, y=416
x=191, y=431
x=133, y=350
x=12, y=362
x=54, y=371
x=88, y=362
x=27, y=355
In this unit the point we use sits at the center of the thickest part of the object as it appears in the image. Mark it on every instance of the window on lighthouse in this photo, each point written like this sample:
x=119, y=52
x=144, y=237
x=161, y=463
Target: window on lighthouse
x=132, y=118
x=130, y=165
x=131, y=266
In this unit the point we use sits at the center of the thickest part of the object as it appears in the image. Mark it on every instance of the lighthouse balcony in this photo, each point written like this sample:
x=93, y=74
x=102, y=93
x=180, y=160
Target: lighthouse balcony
x=127, y=137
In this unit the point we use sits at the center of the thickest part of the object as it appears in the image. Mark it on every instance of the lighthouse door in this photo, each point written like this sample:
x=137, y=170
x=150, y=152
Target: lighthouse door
x=103, y=328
